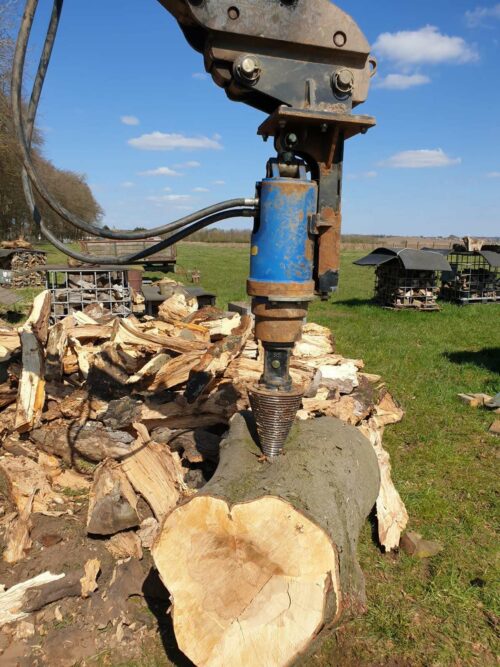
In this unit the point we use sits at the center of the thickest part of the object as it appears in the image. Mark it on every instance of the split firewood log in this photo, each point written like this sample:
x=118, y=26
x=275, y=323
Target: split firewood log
x=38, y=319
x=112, y=501
x=272, y=556
x=156, y=473
x=125, y=545
x=23, y=476
x=17, y=536
x=8, y=393
x=216, y=408
x=316, y=341
x=127, y=334
x=55, y=351
x=392, y=516
x=12, y=600
x=31, y=393
x=217, y=358
x=174, y=372
x=177, y=307
x=10, y=343
x=91, y=440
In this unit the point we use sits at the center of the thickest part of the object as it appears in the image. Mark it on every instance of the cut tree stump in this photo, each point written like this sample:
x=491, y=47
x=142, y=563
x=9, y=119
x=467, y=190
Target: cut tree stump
x=262, y=564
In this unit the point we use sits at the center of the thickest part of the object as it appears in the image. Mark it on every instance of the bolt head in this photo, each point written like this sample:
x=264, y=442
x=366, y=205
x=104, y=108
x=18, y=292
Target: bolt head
x=248, y=65
x=344, y=80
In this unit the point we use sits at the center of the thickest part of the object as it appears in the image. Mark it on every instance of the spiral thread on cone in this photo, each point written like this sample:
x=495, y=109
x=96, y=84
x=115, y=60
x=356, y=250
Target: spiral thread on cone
x=274, y=414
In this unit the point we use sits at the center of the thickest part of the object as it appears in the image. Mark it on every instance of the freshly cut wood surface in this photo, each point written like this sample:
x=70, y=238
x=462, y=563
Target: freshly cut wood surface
x=177, y=307
x=11, y=601
x=38, y=319
x=174, y=372
x=316, y=341
x=17, y=535
x=31, y=393
x=392, y=516
x=156, y=473
x=10, y=342
x=248, y=582
x=22, y=478
x=262, y=560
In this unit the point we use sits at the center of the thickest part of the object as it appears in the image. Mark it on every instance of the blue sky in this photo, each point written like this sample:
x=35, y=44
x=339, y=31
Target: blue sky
x=126, y=102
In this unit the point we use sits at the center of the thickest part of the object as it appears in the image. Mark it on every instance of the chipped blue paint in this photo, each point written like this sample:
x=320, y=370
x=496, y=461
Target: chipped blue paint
x=282, y=251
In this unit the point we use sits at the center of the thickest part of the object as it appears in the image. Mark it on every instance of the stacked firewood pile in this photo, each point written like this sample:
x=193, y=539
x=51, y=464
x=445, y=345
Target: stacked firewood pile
x=73, y=289
x=24, y=261
x=473, y=279
x=107, y=425
x=399, y=288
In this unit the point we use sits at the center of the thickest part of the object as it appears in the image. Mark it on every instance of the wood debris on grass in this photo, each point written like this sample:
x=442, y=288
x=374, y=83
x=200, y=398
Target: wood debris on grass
x=113, y=422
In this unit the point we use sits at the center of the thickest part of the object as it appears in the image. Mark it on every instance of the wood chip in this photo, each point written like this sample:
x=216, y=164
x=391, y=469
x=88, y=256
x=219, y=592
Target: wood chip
x=125, y=545
x=89, y=580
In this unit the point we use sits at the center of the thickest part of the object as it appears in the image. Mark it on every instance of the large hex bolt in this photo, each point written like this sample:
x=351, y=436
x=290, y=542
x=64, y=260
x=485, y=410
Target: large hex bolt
x=343, y=81
x=248, y=69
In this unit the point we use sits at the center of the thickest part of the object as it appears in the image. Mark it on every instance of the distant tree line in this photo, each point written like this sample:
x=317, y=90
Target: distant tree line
x=68, y=187
x=216, y=235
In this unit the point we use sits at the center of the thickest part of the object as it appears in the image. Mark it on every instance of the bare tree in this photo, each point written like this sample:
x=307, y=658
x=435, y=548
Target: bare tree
x=69, y=188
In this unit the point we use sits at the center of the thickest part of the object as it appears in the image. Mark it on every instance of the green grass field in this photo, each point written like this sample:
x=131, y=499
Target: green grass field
x=441, y=611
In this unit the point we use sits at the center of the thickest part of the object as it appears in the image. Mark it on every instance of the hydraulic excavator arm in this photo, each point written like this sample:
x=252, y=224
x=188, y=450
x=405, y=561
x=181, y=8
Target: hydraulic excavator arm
x=307, y=65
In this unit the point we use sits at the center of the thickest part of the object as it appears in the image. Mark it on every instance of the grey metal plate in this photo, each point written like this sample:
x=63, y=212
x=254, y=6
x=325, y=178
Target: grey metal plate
x=412, y=260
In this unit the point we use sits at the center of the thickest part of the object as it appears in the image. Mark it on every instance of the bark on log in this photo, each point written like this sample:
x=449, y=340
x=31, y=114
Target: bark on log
x=112, y=501
x=262, y=562
x=91, y=441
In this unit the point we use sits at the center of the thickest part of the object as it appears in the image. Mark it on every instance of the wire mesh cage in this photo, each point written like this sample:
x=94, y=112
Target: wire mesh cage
x=73, y=289
x=400, y=288
x=472, y=279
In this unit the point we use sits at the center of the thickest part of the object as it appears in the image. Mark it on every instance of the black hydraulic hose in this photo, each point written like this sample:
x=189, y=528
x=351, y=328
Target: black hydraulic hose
x=136, y=257
x=24, y=138
x=42, y=69
x=132, y=257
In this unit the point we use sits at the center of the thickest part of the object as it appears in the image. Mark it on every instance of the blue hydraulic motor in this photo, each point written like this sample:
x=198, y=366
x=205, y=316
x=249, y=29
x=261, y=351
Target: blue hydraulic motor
x=281, y=286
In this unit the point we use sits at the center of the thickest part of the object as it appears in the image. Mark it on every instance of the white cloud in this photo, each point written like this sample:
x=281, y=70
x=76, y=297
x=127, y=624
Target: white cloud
x=402, y=81
x=427, y=45
x=219, y=182
x=127, y=184
x=201, y=190
x=200, y=76
x=158, y=141
x=493, y=174
x=169, y=198
x=481, y=16
x=167, y=189
x=130, y=120
x=364, y=174
x=190, y=164
x=160, y=171
x=420, y=159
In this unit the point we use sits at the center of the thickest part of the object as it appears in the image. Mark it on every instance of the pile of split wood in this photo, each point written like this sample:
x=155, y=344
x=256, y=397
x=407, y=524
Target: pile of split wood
x=400, y=289
x=24, y=262
x=107, y=425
